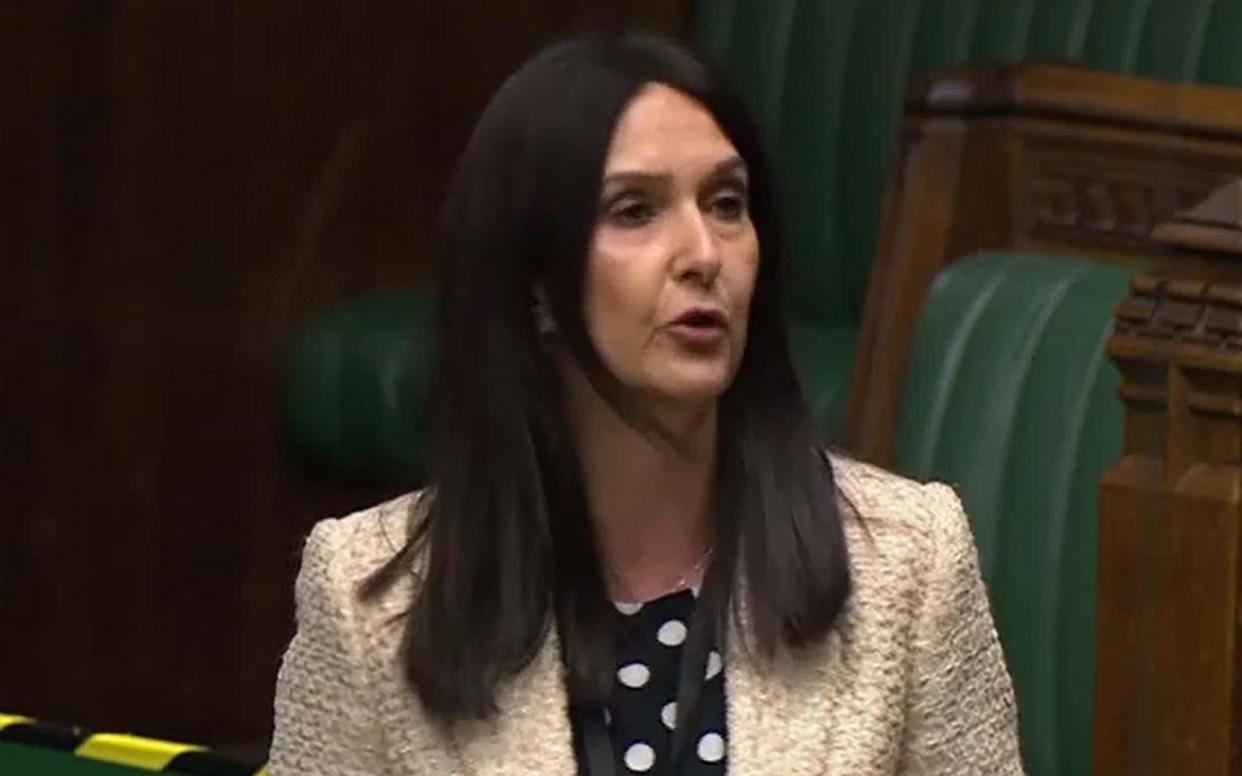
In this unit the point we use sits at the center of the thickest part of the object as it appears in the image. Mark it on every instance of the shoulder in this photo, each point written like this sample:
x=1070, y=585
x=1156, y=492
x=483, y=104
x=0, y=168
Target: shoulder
x=897, y=525
x=878, y=495
x=342, y=652
x=919, y=599
x=343, y=553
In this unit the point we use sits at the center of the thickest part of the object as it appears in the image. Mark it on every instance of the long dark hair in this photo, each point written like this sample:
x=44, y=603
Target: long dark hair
x=506, y=549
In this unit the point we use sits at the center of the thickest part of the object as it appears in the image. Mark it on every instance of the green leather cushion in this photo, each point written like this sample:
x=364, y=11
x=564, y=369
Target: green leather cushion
x=824, y=356
x=1011, y=398
x=357, y=379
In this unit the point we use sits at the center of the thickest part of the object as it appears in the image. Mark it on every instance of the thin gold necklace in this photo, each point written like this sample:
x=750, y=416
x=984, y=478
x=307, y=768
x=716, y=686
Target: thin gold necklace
x=681, y=584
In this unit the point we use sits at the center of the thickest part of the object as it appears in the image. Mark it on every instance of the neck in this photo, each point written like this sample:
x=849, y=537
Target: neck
x=650, y=493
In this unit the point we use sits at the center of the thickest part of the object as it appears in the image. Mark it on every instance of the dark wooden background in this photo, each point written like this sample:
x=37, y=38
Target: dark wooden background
x=182, y=184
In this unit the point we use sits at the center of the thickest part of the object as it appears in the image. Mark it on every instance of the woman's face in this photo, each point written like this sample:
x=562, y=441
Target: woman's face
x=674, y=256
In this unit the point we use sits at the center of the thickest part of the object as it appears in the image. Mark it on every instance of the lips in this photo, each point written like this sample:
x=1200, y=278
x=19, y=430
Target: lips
x=700, y=329
x=702, y=318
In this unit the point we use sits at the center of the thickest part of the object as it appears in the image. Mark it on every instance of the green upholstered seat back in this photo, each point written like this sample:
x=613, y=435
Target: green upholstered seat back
x=356, y=384
x=357, y=379
x=823, y=355
x=826, y=79
x=1012, y=399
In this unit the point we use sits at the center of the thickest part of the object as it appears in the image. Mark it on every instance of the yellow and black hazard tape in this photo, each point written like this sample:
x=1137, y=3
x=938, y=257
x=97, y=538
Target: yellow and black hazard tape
x=146, y=754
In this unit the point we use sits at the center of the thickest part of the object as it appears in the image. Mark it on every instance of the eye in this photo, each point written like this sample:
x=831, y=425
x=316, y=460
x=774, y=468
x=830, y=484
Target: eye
x=631, y=213
x=729, y=206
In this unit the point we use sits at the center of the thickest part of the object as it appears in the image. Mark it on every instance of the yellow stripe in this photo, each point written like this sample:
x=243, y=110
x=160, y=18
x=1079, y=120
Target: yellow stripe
x=10, y=719
x=132, y=751
x=261, y=772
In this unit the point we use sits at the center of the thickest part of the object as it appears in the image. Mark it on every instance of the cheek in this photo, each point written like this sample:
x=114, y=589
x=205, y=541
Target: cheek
x=619, y=302
x=744, y=263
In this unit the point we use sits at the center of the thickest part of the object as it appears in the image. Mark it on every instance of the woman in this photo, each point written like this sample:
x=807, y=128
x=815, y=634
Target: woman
x=634, y=556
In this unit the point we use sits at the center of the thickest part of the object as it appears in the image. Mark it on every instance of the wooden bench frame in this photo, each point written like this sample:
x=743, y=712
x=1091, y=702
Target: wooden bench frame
x=1059, y=159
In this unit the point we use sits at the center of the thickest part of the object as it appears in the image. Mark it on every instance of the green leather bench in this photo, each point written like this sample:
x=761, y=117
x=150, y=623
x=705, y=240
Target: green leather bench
x=1012, y=399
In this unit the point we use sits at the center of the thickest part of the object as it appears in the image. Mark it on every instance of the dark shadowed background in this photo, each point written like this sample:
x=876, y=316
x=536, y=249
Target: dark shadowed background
x=183, y=184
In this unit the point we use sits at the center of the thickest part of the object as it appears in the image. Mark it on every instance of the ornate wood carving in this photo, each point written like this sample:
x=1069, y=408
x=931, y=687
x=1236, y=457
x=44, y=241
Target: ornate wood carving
x=1168, y=664
x=1209, y=224
x=1190, y=313
x=1097, y=194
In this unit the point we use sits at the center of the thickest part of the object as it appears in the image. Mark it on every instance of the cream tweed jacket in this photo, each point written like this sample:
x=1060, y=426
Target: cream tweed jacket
x=910, y=681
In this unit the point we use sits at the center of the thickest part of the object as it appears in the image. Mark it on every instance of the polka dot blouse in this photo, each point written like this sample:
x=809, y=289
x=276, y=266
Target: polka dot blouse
x=642, y=712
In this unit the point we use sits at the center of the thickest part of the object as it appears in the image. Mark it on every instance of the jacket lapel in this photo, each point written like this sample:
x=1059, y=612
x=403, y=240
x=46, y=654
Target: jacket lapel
x=778, y=715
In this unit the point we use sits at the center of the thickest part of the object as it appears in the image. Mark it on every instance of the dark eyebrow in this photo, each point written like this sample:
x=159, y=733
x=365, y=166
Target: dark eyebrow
x=633, y=177
x=726, y=167
x=721, y=169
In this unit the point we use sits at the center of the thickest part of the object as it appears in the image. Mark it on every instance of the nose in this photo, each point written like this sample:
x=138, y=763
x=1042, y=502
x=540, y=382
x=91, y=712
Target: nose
x=697, y=259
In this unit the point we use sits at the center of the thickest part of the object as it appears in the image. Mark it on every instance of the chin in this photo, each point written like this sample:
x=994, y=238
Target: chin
x=694, y=386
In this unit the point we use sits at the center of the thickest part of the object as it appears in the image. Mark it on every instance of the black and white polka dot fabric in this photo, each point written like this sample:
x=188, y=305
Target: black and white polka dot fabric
x=642, y=712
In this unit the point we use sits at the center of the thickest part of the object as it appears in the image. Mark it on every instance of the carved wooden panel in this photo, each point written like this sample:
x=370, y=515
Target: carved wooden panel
x=1103, y=196
x=1170, y=526
x=1187, y=312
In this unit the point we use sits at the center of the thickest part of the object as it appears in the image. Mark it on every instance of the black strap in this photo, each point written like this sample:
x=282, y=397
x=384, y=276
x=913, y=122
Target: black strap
x=599, y=752
x=691, y=676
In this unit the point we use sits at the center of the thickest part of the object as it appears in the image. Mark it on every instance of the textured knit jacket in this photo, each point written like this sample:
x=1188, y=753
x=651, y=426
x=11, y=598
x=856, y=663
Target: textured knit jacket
x=910, y=681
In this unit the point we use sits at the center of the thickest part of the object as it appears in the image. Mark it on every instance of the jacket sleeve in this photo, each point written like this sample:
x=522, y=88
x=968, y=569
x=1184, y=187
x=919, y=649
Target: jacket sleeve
x=962, y=717
x=324, y=723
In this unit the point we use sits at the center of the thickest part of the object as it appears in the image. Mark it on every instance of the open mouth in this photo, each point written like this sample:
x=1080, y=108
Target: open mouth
x=702, y=318
x=702, y=329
